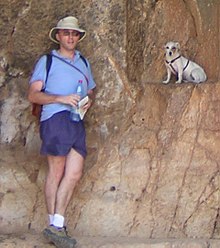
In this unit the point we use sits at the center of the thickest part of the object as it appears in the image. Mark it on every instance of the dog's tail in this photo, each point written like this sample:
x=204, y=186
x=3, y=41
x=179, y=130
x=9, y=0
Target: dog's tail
x=198, y=76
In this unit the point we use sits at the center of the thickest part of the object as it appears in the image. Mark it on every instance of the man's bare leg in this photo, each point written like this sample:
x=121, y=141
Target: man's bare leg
x=72, y=174
x=67, y=172
x=56, y=167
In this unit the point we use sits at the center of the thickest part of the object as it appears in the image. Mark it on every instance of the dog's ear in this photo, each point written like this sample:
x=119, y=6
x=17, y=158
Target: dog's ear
x=165, y=46
x=177, y=45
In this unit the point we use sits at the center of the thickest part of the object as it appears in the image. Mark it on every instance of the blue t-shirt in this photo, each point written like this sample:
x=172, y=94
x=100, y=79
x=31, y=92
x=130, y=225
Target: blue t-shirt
x=62, y=80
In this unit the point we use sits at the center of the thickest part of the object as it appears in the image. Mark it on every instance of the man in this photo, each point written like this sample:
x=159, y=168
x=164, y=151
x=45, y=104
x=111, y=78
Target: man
x=63, y=140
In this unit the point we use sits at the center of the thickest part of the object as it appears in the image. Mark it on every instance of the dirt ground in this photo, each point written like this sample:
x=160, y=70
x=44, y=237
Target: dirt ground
x=36, y=240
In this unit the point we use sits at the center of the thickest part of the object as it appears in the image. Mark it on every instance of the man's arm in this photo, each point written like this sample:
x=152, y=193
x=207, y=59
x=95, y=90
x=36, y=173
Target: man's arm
x=91, y=95
x=35, y=95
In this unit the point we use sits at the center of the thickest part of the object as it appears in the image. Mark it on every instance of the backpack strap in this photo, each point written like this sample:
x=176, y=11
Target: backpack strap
x=48, y=65
x=84, y=60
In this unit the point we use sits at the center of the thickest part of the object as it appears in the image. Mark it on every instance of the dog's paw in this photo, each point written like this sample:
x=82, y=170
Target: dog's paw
x=178, y=82
x=165, y=82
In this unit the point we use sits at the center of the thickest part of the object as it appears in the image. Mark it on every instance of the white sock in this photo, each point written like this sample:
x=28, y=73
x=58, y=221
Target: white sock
x=50, y=219
x=58, y=220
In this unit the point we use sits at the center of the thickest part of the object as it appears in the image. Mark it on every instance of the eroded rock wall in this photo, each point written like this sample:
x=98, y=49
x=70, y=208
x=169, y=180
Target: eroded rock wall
x=153, y=164
x=161, y=177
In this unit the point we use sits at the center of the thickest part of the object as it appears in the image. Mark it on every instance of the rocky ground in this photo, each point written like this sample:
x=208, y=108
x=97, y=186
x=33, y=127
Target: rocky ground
x=36, y=240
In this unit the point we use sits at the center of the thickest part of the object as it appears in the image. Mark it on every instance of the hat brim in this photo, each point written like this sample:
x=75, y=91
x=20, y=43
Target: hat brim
x=53, y=31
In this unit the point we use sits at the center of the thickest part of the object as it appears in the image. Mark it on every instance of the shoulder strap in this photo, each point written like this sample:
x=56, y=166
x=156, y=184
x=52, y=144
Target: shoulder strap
x=49, y=62
x=83, y=59
x=87, y=80
x=48, y=65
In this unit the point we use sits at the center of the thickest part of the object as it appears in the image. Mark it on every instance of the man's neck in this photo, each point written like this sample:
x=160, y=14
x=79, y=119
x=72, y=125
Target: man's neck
x=67, y=54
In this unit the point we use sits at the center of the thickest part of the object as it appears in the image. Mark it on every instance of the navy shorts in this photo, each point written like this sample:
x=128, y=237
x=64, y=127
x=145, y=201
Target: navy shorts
x=59, y=134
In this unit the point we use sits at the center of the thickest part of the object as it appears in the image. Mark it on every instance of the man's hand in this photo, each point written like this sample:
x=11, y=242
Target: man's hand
x=72, y=99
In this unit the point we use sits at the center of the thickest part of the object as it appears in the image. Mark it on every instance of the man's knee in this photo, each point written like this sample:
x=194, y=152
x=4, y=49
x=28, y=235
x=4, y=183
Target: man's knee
x=75, y=176
x=56, y=167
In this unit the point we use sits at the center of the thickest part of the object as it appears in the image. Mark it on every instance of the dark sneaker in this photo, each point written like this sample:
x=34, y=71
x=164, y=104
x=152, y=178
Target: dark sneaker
x=59, y=237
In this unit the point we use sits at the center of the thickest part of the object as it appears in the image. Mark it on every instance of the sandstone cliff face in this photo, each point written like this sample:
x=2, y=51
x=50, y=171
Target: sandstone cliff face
x=153, y=164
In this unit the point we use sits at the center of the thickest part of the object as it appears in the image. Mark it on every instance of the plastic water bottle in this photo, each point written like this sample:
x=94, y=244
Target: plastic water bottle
x=74, y=114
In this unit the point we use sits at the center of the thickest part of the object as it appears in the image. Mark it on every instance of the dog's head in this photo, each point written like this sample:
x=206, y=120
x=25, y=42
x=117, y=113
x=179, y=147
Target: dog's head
x=171, y=49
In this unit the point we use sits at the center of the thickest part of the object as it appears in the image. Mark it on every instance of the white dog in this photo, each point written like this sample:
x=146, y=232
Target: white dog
x=184, y=69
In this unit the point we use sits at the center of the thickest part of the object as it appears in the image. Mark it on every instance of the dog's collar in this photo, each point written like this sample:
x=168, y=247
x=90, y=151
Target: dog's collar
x=170, y=62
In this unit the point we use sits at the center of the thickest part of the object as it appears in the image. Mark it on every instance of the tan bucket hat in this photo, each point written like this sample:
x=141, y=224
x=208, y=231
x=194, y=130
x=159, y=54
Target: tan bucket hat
x=69, y=22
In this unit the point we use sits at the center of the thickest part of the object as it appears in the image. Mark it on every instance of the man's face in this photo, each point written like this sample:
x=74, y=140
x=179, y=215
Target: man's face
x=68, y=38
